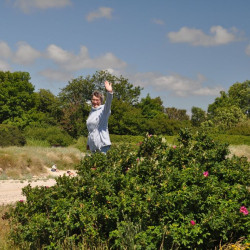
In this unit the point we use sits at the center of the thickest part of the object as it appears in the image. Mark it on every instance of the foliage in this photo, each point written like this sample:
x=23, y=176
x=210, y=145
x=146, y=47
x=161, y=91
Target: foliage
x=11, y=136
x=125, y=119
x=48, y=104
x=228, y=117
x=17, y=95
x=76, y=95
x=150, y=107
x=189, y=195
x=242, y=128
x=176, y=114
x=198, y=116
x=238, y=95
x=53, y=135
x=231, y=139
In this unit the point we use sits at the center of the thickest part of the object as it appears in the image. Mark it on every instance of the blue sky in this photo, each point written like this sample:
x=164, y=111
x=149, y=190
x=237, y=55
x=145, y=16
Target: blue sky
x=185, y=51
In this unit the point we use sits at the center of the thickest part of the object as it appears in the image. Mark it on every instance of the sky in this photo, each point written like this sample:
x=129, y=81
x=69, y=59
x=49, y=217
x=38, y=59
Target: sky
x=184, y=51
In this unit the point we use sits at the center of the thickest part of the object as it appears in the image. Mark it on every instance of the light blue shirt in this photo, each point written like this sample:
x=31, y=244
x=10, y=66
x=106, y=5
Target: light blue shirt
x=97, y=124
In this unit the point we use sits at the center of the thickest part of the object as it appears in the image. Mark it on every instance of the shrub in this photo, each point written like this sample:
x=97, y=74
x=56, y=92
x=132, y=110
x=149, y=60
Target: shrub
x=11, y=136
x=242, y=128
x=189, y=195
x=53, y=135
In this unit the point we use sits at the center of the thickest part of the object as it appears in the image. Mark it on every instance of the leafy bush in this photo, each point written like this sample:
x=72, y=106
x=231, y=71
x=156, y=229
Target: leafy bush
x=11, y=136
x=53, y=135
x=189, y=195
x=242, y=128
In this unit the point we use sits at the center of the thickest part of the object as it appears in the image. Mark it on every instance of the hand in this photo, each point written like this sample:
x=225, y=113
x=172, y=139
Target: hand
x=108, y=86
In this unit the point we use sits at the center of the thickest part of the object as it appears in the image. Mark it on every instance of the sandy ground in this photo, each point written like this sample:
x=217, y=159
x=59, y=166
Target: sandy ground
x=11, y=190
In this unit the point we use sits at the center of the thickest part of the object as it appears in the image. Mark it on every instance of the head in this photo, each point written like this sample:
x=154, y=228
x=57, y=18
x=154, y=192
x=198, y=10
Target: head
x=97, y=99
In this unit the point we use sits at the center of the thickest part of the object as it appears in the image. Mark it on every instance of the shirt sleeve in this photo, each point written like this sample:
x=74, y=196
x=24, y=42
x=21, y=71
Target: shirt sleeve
x=107, y=105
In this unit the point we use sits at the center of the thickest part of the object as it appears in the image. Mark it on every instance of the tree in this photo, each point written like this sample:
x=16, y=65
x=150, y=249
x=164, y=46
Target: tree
x=239, y=93
x=123, y=90
x=49, y=104
x=198, y=116
x=151, y=106
x=177, y=114
x=17, y=96
x=75, y=98
x=228, y=117
x=126, y=119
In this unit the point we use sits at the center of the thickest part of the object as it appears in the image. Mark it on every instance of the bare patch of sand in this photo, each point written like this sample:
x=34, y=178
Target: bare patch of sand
x=11, y=190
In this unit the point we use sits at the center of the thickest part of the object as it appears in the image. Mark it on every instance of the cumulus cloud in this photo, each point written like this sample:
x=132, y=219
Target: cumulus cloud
x=196, y=37
x=4, y=66
x=72, y=62
x=25, y=54
x=248, y=50
x=28, y=5
x=158, y=21
x=56, y=75
x=102, y=12
x=5, y=51
x=179, y=85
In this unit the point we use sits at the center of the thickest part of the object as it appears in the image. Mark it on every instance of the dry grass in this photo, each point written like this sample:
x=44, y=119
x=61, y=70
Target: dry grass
x=236, y=246
x=240, y=150
x=4, y=228
x=18, y=162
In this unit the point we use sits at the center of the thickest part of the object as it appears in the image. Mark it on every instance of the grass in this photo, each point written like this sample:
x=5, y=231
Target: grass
x=28, y=161
x=5, y=244
x=32, y=160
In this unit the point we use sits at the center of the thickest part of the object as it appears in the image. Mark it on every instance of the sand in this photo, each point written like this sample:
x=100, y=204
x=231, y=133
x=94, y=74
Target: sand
x=11, y=190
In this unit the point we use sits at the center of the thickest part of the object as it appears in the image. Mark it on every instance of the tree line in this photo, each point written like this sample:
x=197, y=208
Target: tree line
x=22, y=107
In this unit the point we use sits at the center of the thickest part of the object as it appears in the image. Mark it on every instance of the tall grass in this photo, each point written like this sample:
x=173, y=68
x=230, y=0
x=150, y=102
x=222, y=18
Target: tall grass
x=17, y=162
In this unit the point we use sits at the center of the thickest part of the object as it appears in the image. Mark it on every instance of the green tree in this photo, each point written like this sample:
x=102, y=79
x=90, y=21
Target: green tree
x=239, y=94
x=17, y=96
x=123, y=90
x=228, y=117
x=75, y=98
x=198, y=116
x=125, y=119
x=177, y=114
x=151, y=106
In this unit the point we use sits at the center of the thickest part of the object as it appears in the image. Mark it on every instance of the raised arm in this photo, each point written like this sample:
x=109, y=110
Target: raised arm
x=108, y=86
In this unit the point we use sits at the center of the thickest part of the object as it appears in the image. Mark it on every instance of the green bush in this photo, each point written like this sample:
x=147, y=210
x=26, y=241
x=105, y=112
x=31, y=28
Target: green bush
x=11, y=136
x=189, y=195
x=242, y=128
x=53, y=135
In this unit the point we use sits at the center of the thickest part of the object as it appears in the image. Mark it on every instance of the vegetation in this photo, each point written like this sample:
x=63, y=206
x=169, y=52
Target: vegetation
x=147, y=192
x=11, y=135
x=189, y=195
x=21, y=162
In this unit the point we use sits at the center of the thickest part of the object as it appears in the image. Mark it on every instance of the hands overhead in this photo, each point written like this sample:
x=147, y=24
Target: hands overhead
x=108, y=86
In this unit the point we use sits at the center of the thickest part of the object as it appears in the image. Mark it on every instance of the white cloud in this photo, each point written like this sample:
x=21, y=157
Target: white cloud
x=28, y=5
x=248, y=50
x=72, y=62
x=196, y=37
x=102, y=12
x=25, y=54
x=56, y=75
x=176, y=84
x=5, y=51
x=4, y=66
x=158, y=21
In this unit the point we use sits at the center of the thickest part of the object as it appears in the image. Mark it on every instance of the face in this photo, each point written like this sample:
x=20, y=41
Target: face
x=96, y=101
